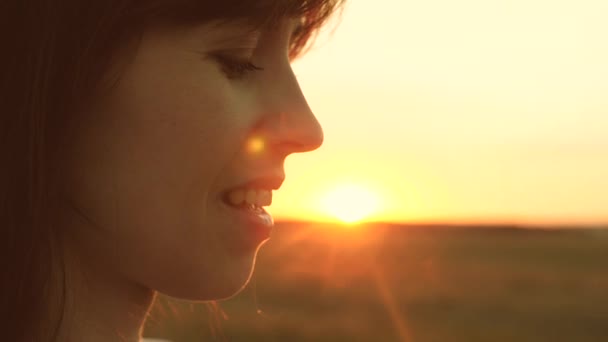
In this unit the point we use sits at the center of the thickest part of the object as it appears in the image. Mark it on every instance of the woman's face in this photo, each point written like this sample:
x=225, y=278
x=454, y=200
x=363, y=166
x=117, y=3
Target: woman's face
x=153, y=163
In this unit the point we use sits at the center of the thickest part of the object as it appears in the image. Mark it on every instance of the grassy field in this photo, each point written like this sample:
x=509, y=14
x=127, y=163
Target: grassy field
x=399, y=283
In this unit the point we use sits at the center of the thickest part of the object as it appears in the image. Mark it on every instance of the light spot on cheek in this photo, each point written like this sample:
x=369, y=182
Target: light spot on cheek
x=255, y=145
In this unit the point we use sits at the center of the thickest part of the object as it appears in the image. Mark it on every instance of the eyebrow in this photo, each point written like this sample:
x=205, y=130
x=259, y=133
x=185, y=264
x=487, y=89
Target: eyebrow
x=240, y=33
x=232, y=33
x=247, y=39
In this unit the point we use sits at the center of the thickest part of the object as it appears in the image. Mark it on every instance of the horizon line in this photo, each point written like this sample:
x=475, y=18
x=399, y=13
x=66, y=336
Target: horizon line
x=455, y=223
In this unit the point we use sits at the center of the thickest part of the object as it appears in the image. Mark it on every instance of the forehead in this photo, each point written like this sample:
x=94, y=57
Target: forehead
x=259, y=13
x=264, y=14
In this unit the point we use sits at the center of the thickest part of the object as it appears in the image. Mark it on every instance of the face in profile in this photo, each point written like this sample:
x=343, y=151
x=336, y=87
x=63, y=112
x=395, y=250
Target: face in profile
x=170, y=170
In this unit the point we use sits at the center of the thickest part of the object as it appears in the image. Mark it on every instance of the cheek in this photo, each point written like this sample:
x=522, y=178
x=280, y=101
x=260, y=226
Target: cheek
x=177, y=129
x=147, y=163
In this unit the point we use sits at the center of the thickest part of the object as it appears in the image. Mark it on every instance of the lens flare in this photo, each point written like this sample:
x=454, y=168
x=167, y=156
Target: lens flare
x=255, y=145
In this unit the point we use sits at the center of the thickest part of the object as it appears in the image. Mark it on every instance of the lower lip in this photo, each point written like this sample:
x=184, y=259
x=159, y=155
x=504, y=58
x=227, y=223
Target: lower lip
x=257, y=225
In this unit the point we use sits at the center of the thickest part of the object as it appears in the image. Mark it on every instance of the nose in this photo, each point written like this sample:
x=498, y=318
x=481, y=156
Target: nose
x=290, y=126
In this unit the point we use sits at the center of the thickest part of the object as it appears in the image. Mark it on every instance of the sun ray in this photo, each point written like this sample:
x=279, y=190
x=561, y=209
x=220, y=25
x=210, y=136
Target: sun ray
x=328, y=267
x=389, y=303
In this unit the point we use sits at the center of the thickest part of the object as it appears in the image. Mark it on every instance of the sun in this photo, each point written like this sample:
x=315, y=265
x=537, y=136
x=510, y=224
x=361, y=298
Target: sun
x=350, y=203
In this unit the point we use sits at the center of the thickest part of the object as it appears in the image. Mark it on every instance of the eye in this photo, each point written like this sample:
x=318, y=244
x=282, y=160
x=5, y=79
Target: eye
x=235, y=67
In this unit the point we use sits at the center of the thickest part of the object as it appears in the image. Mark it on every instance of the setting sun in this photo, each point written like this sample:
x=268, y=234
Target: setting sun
x=350, y=203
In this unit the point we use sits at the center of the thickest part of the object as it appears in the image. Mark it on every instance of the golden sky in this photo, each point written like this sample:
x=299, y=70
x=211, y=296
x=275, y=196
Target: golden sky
x=470, y=110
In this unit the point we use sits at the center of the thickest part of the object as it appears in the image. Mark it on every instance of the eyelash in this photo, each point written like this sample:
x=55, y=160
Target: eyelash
x=235, y=68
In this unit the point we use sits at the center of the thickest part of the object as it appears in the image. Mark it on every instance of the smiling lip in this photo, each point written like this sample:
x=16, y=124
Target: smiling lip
x=248, y=228
x=268, y=183
x=253, y=224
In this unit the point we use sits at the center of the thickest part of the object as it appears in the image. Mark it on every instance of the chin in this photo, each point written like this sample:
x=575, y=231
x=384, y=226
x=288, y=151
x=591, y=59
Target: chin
x=219, y=284
x=234, y=285
x=220, y=291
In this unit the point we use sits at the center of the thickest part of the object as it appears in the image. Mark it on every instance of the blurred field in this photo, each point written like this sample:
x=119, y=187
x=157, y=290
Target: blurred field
x=397, y=283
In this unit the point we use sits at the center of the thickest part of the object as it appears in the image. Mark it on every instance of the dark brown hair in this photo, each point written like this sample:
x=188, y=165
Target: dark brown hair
x=54, y=55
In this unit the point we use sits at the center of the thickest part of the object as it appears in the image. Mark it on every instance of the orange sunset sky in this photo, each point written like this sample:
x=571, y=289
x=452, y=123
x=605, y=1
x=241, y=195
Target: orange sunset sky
x=457, y=111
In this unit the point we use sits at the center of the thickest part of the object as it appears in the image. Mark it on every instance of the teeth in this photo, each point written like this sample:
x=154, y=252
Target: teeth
x=236, y=197
x=251, y=197
x=264, y=197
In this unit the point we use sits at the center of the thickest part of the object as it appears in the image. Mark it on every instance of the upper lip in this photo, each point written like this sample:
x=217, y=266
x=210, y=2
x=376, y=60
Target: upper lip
x=263, y=182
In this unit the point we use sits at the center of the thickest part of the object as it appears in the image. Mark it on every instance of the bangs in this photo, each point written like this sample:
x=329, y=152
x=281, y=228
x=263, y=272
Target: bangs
x=312, y=13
